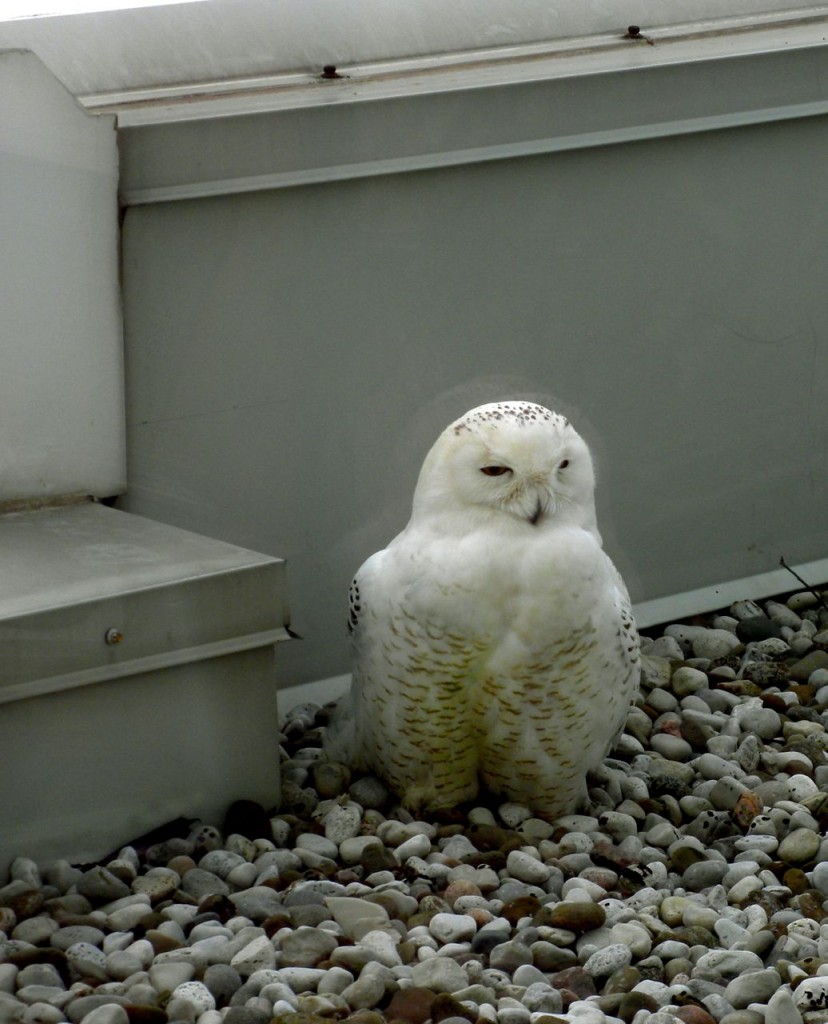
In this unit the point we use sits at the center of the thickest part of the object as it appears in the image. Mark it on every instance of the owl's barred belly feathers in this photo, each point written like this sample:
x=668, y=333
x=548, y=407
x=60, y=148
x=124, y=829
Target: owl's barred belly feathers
x=492, y=639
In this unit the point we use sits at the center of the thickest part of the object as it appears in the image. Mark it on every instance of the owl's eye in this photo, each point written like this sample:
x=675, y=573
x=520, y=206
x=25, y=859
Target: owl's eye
x=495, y=470
x=563, y=463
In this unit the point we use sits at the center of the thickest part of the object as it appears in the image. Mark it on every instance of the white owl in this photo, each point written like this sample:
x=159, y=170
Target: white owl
x=493, y=638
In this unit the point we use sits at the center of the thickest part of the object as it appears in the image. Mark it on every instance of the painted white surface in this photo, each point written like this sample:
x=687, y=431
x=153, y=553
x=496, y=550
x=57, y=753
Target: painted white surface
x=61, y=385
x=217, y=40
x=96, y=766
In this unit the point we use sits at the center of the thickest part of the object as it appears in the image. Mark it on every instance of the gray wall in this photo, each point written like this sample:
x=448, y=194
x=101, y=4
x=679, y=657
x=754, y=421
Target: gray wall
x=61, y=362
x=292, y=354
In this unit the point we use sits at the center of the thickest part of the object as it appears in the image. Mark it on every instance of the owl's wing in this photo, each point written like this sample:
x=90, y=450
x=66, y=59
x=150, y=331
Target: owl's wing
x=344, y=737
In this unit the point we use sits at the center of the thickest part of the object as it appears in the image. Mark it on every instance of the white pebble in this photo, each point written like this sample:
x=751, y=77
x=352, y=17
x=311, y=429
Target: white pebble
x=526, y=868
x=452, y=927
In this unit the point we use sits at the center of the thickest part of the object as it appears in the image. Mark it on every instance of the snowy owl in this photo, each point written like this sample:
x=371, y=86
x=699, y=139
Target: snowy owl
x=493, y=638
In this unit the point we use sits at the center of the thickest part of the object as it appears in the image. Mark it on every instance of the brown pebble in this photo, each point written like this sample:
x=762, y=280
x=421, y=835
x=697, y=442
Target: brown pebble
x=549, y=958
x=576, y=980
x=693, y=1015
x=801, y=669
x=461, y=887
x=632, y=1002
x=673, y=968
x=411, y=1004
x=695, y=935
x=143, y=1013
x=446, y=1005
x=181, y=864
x=330, y=778
x=161, y=942
x=771, y=700
x=494, y=859
x=747, y=807
x=575, y=917
x=365, y=1017
x=523, y=906
x=623, y=980
x=683, y=856
x=218, y=904
x=809, y=905
x=40, y=955
x=491, y=837
x=272, y=924
x=434, y=903
x=407, y=952
x=26, y=903
x=796, y=880
x=378, y=858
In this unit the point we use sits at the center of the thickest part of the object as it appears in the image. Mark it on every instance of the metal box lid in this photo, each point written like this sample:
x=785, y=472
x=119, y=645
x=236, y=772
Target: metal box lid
x=89, y=593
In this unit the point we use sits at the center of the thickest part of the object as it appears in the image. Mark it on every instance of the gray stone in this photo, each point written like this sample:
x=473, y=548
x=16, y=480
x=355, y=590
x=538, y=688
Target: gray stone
x=223, y=981
x=752, y=987
x=320, y=845
x=369, y=792
x=728, y=963
x=166, y=976
x=87, y=960
x=100, y=886
x=508, y=956
x=799, y=846
x=364, y=993
x=197, y=994
x=610, y=958
x=257, y=955
x=782, y=1009
x=526, y=868
x=342, y=822
x=38, y=974
x=301, y=979
x=356, y=916
x=541, y=997
x=83, y=1007
x=107, y=1013
x=221, y=862
x=452, y=927
x=63, y=938
x=257, y=903
x=440, y=974
x=305, y=947
x=199, y=883
x=121, y=964
x=41, y=994
x=42, y=1013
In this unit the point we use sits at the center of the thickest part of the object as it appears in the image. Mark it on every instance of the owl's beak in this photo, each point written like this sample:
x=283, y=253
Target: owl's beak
x=534, y=519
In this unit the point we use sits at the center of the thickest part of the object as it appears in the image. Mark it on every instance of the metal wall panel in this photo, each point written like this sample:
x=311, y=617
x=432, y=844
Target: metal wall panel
x=61, y=383
x=292, y=354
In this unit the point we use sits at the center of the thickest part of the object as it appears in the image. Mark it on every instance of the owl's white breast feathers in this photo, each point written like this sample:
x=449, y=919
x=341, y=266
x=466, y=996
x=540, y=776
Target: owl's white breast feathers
x=492, y=638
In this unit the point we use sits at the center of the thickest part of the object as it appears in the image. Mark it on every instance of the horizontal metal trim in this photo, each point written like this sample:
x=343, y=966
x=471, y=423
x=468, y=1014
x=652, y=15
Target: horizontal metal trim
x=150, y=663
x=454, y=158
x=499, y=121
x=664, y=610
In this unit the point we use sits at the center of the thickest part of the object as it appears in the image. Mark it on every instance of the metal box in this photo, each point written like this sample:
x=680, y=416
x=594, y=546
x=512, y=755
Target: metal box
x=137, y=679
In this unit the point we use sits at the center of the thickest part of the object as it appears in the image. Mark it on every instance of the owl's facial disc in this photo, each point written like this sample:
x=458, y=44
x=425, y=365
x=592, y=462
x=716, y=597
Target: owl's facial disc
x=525, y=491
x=508, y=459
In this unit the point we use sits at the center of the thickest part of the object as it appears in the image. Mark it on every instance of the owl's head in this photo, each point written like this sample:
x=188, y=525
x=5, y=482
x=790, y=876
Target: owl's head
x=512, y=459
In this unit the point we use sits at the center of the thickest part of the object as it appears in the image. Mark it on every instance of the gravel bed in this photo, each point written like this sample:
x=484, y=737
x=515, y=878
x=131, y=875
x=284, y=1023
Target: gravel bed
x=695, y=888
